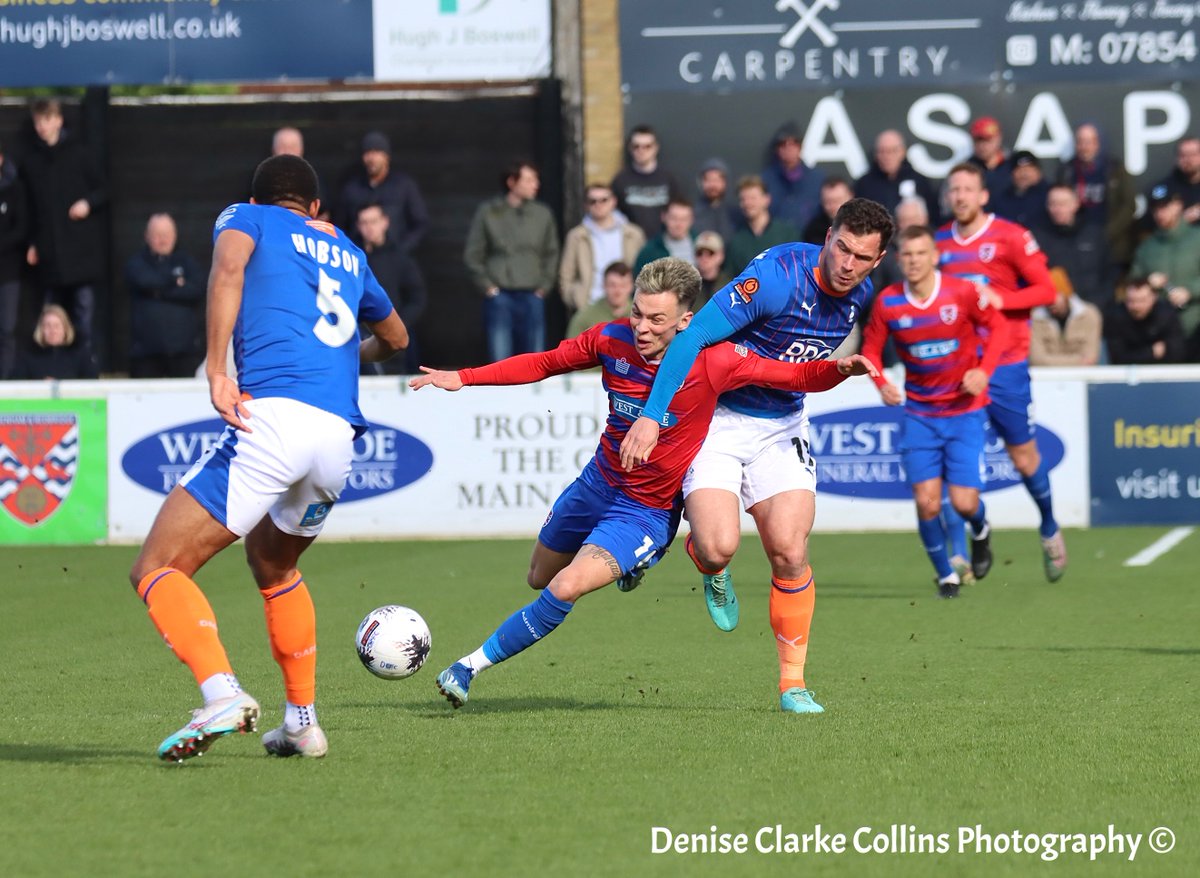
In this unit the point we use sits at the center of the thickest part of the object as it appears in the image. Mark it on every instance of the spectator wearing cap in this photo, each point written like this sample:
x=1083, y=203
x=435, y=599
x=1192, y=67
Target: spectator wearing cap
x=987, y=151
x=1105, y=190
x=604, y=237
x=1185, y=178
x=643, y=187
x=617, y=301
x=761, y=230
x=891, y=178
x=1023, y=200
x=1065, y=333
x=1075, y=247
x=794, y=187
x=1142, y=328
x=835, y=192
x=677, y=238
x=377, y=182
x=710, y=258
x=1170, y=258
x=14, y=233
x=714, y=211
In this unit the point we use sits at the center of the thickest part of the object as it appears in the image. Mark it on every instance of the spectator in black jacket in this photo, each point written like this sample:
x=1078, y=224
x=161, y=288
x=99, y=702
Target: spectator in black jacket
x=1143, y=328
x=67, y=197
x=835, y=191
x=891, y=178
x=14, y=226
x=377, y=182
x=644, y=187
x=56, y=353
x=398, y=274
x=1076, y=247
x=1185, y=179
x=1023, y=200
x=165, y=290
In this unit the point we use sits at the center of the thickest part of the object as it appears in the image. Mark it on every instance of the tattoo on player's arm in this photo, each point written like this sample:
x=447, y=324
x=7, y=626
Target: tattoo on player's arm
x=604, y=555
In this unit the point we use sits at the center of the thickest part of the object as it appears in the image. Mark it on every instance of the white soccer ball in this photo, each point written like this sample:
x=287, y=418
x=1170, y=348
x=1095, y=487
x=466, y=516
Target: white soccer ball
x=393, y=642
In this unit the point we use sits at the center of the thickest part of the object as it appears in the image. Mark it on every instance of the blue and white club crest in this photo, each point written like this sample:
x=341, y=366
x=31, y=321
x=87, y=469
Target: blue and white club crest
x=623, y=366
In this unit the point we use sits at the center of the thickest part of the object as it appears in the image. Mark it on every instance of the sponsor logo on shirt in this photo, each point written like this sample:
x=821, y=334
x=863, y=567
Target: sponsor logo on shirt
x=931, y=350
x=744, y=290
x=631, y=409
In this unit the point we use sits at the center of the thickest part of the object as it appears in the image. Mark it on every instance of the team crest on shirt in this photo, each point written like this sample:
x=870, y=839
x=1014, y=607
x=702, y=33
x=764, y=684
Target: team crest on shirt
x=987, y=252
x=744, y=290
x=38, y=457
x=948, y=313
x=741, y=350
x=622, y=366
x=905, y=321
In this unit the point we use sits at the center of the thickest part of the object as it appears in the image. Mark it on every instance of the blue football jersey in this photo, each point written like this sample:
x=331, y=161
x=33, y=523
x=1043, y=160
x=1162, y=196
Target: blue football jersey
x=306, y=287
x=779, y=309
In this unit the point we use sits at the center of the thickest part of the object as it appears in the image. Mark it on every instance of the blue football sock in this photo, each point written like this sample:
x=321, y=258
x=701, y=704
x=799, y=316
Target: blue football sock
x=979, y=519
x=1038, y=486
x=955, y=528
x=935, y=545
x=526, y=627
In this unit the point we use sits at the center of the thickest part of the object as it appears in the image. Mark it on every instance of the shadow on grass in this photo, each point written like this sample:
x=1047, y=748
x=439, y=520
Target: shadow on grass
x=1144, y=650
x=57, y=755
x=499, y=704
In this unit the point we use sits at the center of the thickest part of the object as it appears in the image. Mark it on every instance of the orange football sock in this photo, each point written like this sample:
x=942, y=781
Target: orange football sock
x=691, y=550
x=292, y=629
x=182, y=615
x=791, y=616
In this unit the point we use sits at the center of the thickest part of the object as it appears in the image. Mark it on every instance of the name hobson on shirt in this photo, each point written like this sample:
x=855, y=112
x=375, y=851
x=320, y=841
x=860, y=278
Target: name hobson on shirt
x=896, y=839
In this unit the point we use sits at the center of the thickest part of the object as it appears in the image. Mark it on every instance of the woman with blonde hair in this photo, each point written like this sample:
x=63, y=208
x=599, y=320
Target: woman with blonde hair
x=54, y=354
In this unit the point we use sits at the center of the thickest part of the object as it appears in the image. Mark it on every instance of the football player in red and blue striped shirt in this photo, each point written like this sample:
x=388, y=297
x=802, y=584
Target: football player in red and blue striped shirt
x=611, y=525
x=936, y=322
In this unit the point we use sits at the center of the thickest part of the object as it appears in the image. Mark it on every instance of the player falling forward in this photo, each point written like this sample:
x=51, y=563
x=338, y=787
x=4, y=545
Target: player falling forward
x=794, y=302
x=290, y=290
x=1003, y=258
x=934, y=319
x=612, y=525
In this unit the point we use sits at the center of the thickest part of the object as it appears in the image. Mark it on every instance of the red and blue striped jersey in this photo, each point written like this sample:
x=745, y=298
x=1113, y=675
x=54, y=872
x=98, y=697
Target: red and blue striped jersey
x=628, y=378
x=938, y=340
x=1006, y=256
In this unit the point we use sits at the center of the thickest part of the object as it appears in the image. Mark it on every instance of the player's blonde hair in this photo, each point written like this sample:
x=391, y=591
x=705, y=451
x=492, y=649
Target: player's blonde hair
x=670, y=275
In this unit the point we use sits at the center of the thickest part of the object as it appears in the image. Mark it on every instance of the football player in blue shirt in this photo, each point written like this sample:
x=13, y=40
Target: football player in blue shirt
x=290, y=290
x=793, y=302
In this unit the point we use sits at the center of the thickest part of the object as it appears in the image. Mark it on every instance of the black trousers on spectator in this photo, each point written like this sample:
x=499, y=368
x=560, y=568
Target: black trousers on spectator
x=80, y=302
x=10, y=306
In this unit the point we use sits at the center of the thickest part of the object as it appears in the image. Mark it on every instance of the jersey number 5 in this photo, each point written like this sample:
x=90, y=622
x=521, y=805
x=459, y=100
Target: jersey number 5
x=336, y=325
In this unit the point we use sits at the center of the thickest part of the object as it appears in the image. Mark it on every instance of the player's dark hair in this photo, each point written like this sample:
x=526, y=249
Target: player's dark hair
x=862, y=216
x=284, y=178
x=1137, y=280
x=678, y=202
x=911, y=233
x=670, y=275
x=831, y=182
x=969, y=168
x=512, y=171
x=644, y=130
x=45, y=107
x=618, y=268
x=368, y=205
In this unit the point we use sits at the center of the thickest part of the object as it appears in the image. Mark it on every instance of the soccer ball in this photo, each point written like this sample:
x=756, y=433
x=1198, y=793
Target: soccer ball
x=393, y=642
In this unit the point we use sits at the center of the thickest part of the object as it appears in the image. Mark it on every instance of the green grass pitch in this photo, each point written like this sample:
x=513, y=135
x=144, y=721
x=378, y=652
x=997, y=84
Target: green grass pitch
x=1021, y=706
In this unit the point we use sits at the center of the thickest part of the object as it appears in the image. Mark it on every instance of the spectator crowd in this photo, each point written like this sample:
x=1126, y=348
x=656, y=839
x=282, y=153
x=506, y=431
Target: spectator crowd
x=1128, y=286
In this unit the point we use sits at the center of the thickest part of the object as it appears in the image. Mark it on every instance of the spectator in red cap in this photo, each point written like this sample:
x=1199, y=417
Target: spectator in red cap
x=988, y=152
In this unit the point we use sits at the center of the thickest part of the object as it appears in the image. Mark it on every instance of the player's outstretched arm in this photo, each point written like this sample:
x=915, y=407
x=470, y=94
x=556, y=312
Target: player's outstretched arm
x=231, y=252
x=438, y=378
x=856, y=364
x=389, y=336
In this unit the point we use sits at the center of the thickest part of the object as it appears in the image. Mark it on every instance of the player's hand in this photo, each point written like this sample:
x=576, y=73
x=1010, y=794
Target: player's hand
x=228, y=401
x=638, y=443
x=31, y=255
x=890, y=394
x=975, y=381
x=1179, y=297
x=994, y=299
x=856, y=364
x=436, y=377
x=1158, y=350
x=80, y=210
x=1157, y=279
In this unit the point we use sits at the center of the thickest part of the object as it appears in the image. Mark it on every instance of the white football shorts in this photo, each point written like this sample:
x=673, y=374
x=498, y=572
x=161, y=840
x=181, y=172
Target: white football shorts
x=293, y=466
x=755, y=458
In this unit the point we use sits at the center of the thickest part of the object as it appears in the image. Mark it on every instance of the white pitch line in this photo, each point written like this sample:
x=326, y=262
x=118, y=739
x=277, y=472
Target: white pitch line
x=1160, y=547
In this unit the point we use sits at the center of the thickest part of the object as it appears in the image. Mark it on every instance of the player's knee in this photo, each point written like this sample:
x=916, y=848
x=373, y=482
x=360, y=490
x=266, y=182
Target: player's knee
x=715, y=552
x=567, y=587
x=929, y=507
x=789, y=562
x=536, y=579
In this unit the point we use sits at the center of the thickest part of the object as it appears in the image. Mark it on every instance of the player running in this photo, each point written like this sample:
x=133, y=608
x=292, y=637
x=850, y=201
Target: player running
x=933, y=320
x=794, y=302
x=1003, y=258
x=609, y=524
x=290, y=290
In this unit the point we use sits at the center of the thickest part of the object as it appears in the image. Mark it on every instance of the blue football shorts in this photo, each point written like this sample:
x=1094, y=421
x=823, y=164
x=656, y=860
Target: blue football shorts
x=1011, y=406
x=949, y=448
x=592, y=512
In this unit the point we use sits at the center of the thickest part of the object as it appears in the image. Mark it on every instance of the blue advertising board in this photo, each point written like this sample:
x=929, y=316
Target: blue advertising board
x=1145, y=453
x=80, y=42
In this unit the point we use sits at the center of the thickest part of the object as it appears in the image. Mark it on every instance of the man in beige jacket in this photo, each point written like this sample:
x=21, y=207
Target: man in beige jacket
x=605, y=236
x=1066, y=333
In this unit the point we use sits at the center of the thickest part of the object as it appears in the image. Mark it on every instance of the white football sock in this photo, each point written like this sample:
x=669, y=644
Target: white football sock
x=476, y=661
x=297, y=716
x=219, y=686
